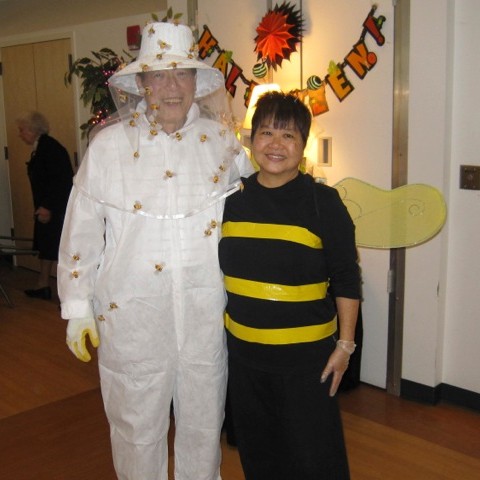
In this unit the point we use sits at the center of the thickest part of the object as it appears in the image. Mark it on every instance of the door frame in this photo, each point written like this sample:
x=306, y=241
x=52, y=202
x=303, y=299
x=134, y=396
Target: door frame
x=396, y=284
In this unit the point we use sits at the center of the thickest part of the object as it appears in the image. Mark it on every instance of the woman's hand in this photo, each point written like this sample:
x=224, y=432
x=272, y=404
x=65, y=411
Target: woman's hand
x=337, y=364
x=43, y=215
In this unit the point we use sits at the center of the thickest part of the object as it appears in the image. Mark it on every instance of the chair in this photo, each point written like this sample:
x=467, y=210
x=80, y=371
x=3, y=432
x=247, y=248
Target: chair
x=8, y=249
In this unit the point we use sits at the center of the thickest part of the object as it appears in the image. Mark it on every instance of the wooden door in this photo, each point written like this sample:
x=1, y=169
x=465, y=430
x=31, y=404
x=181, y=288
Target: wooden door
x=54, y=99
x=33, y=80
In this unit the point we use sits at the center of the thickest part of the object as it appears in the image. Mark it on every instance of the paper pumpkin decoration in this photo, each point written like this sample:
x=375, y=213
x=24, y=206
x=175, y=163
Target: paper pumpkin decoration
x=402, y=217
x=317, y=100
x=278, y=34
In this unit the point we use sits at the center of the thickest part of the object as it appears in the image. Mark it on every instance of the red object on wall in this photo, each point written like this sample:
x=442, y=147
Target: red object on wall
x=134, y=37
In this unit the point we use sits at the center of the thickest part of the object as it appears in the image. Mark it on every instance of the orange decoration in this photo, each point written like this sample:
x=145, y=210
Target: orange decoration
x=278, y=34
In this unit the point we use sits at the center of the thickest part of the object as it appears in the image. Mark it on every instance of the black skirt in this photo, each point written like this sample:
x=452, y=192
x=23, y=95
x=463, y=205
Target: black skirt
x=287, y=427
x=46, y=237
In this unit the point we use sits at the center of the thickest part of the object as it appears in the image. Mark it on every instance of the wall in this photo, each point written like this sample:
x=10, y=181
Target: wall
x=442, y=325
x=461, y=353
x=462, y=328
x=429, y=138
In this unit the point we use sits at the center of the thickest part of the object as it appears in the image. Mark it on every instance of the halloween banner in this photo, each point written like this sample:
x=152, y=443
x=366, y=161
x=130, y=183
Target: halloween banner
x=280, y=30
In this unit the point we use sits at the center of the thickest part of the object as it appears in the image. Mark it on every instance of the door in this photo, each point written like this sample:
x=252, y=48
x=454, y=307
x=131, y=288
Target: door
x=33, y=79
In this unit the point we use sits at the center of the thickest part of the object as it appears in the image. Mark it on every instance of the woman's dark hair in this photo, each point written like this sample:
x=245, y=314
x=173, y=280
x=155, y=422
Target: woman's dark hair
x=282, y=109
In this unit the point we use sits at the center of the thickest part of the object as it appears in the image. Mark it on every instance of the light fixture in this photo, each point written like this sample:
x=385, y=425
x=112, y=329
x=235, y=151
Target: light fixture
x=257, y=92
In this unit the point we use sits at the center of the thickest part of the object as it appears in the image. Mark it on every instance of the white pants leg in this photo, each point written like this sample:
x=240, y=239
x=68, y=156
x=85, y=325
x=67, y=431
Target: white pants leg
x=138, y=410
x=199, y=405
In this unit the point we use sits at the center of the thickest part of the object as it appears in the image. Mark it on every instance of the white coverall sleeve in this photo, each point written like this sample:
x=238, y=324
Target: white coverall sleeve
x=81, y=249
x=243, y=164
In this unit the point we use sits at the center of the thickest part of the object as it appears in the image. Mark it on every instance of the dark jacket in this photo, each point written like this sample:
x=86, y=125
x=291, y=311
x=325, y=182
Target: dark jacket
x=50, y=173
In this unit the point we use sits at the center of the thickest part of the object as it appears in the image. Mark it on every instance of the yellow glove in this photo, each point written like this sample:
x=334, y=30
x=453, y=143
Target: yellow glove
x=77, y=331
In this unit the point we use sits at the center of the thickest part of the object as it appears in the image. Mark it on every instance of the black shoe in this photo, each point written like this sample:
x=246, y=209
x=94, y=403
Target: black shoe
x=44, y=293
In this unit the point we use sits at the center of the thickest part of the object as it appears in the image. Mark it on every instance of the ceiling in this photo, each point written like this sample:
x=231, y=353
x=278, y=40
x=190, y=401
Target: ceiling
x=18, y=17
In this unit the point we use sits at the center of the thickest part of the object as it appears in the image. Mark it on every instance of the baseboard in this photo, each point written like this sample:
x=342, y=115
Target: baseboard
x=418, y=392
x=459, y=396
x=442, y=392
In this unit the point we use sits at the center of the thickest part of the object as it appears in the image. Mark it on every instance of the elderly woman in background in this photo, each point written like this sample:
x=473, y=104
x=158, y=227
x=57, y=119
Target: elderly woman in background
x=50, y=173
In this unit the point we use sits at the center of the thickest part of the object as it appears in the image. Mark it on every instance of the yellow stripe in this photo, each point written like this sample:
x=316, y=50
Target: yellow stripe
x=289, y=233
x=276, y=292
x=280, y=336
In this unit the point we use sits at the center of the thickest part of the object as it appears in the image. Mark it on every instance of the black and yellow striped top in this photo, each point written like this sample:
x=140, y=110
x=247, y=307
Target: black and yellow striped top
x=284, y=253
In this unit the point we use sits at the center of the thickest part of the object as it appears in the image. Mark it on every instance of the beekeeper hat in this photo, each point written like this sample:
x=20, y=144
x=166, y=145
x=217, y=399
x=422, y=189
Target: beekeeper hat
x=166, y=46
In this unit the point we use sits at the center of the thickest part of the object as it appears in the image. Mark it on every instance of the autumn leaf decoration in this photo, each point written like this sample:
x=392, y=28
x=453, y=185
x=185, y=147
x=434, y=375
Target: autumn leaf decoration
x=278, y=34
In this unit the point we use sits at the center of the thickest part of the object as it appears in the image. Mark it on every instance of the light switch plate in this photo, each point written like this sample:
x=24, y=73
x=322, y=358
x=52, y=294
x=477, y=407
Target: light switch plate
x=470, y=177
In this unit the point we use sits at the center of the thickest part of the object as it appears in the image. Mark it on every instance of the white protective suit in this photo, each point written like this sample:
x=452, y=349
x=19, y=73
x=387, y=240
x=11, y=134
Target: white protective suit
x=139, y=252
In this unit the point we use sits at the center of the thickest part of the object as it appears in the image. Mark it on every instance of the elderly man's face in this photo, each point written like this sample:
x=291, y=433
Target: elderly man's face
x=169, y=95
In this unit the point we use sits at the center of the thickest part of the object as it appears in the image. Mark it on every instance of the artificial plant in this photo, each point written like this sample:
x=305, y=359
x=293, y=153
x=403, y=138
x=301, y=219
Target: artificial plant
x=95, y=73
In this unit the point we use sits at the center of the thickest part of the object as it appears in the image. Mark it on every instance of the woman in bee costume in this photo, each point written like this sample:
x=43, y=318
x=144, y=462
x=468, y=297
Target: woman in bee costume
x=290, y=263
x=138, y=270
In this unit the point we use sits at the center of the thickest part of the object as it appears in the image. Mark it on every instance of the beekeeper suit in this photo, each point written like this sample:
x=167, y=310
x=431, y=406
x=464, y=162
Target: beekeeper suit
x=138, y=270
